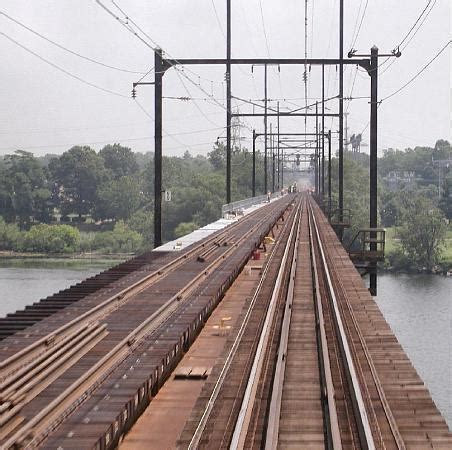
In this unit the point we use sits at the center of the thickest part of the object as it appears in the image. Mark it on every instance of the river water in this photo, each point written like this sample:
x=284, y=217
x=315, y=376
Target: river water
x=419, y=310
x=417, y=307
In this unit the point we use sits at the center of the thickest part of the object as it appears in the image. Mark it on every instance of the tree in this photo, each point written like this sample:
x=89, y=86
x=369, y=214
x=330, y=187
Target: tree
x=121, y=239
x=217, y=156
x=119, y=160
x=142, y=221
x=185, y=228
x=78, y=174
x=52, y=239
x=10, y=235
x=24, y=193
x=422, y=232
x=119, y=198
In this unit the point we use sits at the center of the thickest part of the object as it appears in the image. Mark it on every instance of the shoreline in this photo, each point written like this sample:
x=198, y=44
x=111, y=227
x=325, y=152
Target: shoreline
x=67, y=256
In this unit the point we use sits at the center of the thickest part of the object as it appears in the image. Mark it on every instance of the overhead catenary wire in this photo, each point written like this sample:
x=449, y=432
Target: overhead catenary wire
x=358, y=15
x=178, y=72
x=66, y=49
x=351, y=89
x=412, y=79
x=416, y=22
x=143, y=109
x=61, y=69
x=360, y=24
x=125, y=25
x=155, y=44
x=263, y=27
x=424, y=18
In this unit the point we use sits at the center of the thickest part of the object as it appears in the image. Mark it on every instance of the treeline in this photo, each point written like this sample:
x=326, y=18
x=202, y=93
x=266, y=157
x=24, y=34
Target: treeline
x=61, y=239
x=412, y=200
x=112, y=186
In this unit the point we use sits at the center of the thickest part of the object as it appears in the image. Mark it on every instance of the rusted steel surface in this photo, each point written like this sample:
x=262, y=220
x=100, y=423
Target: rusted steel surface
x=178, y=396
x=345, y=383
x=219, y=424
x=109, y=382
x=400, y=408
x=22, y=319
x=341, y=378
x=301, y=413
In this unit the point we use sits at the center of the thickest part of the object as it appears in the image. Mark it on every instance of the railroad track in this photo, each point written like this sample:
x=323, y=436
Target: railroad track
x=310, y=381
x=28, y=373
x=215, y=426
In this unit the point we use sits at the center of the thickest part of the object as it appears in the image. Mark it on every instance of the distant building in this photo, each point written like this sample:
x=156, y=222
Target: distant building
x=397, y=179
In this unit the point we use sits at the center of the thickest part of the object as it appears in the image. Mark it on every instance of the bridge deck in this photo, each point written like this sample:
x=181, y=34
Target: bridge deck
x=141, y=323
x=416, y=416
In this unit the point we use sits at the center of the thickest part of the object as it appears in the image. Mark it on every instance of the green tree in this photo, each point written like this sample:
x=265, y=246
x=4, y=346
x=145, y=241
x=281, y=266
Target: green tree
x=78, y=173
x=121, y=161
x=24, y=193
x=142, y=221
x=121, y=239
x=217, y=157
x=52, y=239
x=119, y=198
x=422, y=232
x=185, y=228
x=10, y=235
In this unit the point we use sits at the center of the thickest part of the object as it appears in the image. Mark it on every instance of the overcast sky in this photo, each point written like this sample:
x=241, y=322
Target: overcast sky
x=44, y=110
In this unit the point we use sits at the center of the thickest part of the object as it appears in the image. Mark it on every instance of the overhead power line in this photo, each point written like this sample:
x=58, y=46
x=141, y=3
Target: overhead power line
x=62, y=47
x=263, y=27
x=126, y=25
x=66, y=72
x=419, y=73
x=220, y=26
x=416, y=22
x=422, y=16
x=360, y=24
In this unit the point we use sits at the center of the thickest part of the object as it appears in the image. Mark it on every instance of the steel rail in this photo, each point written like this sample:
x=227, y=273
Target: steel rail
x=58, y=409
x=376, y=379
x=332, y=424
x=197, y=435
x=271, y=438
x=243, y=420
x=106, y=306
x=361, y=417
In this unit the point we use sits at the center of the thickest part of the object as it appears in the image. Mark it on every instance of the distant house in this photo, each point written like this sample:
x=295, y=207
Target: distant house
x=397, y=179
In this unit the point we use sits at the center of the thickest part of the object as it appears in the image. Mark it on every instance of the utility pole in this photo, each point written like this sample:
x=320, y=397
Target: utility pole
x=346, y=114
x=323, y=131
x=254, y=163
x=373, y=161
x=372, y=70
x=278, y=149
x=272, y=158
x=329, y=174
x=341, y=116
x=282, y=168
x=228, y=102
x=158, y=64
x=316, y=167
x=265, y=132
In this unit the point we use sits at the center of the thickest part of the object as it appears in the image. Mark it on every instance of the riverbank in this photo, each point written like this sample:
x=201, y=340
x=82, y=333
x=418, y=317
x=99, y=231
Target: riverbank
x=396, y=264
x=81, y=256
x=81, y=262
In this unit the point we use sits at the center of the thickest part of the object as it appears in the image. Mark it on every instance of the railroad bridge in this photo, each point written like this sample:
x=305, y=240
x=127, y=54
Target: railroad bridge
x=260, y=334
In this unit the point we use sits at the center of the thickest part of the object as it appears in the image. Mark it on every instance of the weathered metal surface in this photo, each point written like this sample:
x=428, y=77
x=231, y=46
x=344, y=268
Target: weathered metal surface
x=100, y=394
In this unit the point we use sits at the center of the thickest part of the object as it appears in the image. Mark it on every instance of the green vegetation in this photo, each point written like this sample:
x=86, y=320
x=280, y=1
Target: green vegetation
x=410, y=207
x=105, y=199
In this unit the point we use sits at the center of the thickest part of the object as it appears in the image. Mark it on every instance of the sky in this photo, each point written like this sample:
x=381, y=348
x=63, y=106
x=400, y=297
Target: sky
x=48, y=109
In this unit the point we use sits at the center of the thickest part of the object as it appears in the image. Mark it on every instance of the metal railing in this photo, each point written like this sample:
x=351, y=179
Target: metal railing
x=240, y=205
